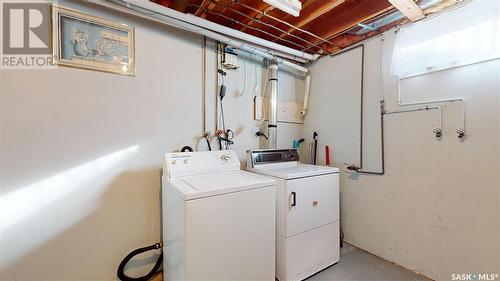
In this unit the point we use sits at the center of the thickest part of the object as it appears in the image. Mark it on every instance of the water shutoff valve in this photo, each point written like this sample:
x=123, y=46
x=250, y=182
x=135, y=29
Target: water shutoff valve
x=461, y=133
x=438, y=132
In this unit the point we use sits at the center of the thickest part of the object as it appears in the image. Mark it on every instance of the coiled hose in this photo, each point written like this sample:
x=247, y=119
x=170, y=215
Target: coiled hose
x=121, y=268
x=187, y=147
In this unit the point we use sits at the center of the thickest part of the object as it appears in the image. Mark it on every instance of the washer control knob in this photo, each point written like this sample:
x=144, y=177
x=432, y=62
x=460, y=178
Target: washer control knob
x=225, y=157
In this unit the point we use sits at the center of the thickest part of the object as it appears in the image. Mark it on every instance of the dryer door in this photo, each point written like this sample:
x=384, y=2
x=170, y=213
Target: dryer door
x=312, y=202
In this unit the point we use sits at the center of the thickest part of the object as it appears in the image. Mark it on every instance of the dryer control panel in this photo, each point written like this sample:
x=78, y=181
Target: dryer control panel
x=272, y=156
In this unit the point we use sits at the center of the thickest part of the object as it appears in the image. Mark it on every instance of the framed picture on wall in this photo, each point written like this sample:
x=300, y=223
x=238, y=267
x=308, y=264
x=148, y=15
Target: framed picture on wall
x=90, y=42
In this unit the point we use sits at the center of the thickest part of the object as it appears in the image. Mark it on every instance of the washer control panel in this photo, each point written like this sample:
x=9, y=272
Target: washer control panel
x=194, y=163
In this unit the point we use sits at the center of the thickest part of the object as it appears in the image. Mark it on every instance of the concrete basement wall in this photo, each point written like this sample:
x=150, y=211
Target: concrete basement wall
x=81, y=151
x=436, y=210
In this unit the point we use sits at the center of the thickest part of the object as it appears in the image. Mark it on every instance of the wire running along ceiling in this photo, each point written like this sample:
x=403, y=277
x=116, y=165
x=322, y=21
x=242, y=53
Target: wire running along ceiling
x=323, y=27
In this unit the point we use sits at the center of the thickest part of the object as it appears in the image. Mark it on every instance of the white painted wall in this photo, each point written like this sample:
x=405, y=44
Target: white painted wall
x=81, y=152
x=334, y=94
x=436, y=210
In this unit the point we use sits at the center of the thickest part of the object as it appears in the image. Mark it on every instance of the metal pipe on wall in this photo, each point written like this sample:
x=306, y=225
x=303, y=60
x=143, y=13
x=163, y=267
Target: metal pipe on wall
x=204, y=86
x=437, y=131
x=382, y=147
x=273, y=104
x=359, y=169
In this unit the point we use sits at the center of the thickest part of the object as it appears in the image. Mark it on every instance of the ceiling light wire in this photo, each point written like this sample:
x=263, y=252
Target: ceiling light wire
x=387, y=13
x=283, y=22
x=248, y=26
x=227, y=7
x=224, y=9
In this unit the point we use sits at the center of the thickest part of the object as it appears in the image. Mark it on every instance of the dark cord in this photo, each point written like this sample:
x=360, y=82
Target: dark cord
x=121, y=268
x=261, y=134
x=208, y=143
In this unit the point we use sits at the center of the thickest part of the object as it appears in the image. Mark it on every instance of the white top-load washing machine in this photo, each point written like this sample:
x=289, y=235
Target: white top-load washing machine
x=218, y=221
x=307, y=232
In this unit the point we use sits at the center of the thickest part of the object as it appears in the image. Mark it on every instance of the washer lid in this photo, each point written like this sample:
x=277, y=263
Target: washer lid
x=200, y=186
x=296, y=171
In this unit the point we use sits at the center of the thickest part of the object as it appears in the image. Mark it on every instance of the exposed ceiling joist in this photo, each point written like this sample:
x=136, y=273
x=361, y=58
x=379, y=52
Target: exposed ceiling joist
x=259, y=16
x=310, y=13
x=409, y=9
x=318, y=12
x=324, y=26
x=348, y=17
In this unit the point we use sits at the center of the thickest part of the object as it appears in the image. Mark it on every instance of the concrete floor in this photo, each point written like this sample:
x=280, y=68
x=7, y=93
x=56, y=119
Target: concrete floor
x=358, y=265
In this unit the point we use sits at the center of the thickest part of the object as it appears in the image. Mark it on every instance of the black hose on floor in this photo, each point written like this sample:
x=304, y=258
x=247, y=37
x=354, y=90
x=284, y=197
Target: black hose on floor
x=121, y=273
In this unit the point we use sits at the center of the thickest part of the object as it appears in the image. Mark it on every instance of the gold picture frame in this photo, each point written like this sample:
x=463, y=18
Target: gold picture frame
x=85, y=41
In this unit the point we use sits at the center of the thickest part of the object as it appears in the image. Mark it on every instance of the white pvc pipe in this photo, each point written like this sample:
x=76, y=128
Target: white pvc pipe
x=458, y=99
x=245, y=47
x=203, y=23
x=306, y=95
x=436, y=107
x=191, y=28
x=215, y=36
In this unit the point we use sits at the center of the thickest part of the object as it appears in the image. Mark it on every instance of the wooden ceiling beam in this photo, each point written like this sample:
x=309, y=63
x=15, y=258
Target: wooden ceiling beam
x=444, y=4
x=409, y=9
x=311, y=11
x=346, y=17
x=346, y=40
x=210, y=5
x=258, y=16
x=317, y=12
x=328, y=19
x=226, y=7
x=165, y=3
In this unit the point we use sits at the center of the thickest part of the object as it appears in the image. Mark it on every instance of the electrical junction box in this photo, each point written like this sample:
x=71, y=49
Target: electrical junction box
x=288, y=111
x=230, y=60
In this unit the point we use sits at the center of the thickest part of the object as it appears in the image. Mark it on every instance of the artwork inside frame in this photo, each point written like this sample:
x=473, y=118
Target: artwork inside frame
x=90, y=42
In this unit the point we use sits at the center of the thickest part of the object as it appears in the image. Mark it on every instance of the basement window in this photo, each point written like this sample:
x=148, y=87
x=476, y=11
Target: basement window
x=466, y=35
